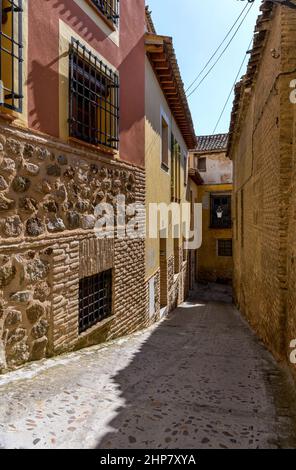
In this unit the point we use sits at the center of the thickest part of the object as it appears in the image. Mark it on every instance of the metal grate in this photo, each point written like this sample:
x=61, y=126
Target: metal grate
x=95, y=299
x=109, y=8
x=224, y=248
x=221, y=211
x=11, y=54
x=94, y=99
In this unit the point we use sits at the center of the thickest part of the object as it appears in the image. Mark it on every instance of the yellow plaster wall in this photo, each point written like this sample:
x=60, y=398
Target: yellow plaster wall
x=211, y=267
x=158, y=181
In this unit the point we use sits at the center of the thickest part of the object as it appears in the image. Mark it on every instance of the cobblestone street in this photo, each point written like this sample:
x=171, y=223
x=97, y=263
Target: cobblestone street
x=198, y=379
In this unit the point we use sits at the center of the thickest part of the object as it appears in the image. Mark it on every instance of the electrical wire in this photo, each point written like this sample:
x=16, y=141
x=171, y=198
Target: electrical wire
x=218, y=48
x=233, y=86
x=222, y=53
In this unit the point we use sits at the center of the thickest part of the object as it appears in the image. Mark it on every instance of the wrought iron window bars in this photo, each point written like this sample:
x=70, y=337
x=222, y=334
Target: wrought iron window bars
x=109, y=8
x=94, y=98
x=225, y=248
x=11, y=54
x=95, y=299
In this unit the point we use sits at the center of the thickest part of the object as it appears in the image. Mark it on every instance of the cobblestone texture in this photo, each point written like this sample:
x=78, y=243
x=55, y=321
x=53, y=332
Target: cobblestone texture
x=198, y=379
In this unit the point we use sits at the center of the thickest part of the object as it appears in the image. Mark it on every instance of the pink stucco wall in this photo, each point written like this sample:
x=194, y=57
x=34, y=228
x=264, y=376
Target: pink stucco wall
x=128, y=58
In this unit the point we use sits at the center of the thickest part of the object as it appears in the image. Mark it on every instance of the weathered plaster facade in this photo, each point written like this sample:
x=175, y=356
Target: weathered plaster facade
x=215, y=171
x=166, y=262
x=158, y=190
x=262, y=146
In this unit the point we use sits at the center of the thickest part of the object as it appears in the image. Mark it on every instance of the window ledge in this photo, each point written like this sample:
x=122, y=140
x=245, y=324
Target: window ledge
x=7, y=116
x=96, y=148
x=102, y=16
x=165, y=167
x=97, y=327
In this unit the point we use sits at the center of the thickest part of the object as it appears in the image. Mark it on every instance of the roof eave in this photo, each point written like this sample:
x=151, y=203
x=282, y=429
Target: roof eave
x=195, y=176
x=163, y=60
x=244, y=87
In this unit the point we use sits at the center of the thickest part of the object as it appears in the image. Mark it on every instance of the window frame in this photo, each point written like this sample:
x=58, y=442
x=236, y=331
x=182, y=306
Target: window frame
x=165, y=143
x=223, y=226
x=16, y=59
x=176, y=162
x=102, y=6
x=104, y=280
x=97, y=75
x=204, y=168
x=186, y=168
x=220, y=249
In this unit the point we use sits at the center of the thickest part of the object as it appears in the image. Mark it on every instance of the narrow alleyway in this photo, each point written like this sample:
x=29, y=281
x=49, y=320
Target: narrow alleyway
x=199, y=379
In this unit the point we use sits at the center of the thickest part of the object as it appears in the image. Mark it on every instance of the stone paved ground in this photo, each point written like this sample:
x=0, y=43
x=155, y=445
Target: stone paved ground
x=199, y=379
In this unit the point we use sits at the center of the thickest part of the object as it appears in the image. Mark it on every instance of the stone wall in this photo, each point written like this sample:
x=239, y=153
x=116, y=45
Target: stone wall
x=262, y=150
x=173, y=287
x=48, y=192
x=153, y=317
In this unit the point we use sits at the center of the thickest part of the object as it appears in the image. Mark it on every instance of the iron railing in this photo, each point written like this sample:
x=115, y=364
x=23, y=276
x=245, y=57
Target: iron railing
x=94, y=98
x=109, y=8
x=11, y=54
x=95, y=299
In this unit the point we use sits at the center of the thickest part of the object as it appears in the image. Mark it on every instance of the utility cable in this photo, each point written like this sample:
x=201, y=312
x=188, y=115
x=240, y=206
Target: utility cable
x=222, y=53
x=232, y=88
x=218, y=48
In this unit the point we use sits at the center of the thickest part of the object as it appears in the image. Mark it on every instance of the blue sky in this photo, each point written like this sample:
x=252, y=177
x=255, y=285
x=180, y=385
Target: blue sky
x=198, y=27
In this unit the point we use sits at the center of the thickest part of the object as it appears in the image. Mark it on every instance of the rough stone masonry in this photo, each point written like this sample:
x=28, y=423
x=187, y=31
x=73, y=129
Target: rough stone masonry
x=48, y=192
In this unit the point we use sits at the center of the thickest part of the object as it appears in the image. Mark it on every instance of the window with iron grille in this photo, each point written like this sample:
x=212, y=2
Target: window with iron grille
x=224, y=248
x=11, y=54
x=94, y=99
x=95, y=299
x=109, y=8
x=221, y=211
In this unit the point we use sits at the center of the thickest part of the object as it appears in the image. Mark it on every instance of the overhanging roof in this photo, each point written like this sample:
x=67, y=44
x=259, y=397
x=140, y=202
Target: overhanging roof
x=161, y=54
x=244, y=88
x=195, y=176
x=212, y=143
x=149, y=22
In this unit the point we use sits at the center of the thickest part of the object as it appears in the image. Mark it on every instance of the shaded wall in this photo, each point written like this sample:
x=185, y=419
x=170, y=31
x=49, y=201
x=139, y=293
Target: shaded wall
x=264, y=194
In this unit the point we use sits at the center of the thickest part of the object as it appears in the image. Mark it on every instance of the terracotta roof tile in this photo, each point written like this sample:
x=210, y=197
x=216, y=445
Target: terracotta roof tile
x=210, y=143
x=149, y=22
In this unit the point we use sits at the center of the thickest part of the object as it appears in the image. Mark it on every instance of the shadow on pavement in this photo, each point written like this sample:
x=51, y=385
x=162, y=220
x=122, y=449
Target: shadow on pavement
x=201, y=380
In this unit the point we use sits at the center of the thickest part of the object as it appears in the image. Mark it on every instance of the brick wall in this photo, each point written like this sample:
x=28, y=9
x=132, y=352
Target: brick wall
x=262, y=150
